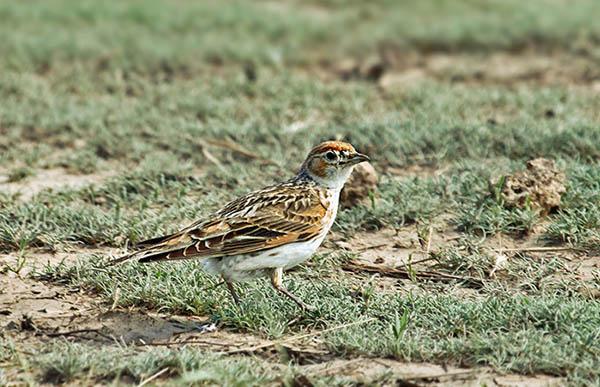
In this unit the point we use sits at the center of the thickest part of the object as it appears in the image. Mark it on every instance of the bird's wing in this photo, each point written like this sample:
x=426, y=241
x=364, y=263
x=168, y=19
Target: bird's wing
x=258, y=221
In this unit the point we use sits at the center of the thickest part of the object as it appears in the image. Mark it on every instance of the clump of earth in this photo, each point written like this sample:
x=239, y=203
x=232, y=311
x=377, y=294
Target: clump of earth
x=539, y=186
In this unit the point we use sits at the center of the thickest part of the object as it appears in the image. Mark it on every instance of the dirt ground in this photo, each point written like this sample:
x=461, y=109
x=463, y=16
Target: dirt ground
x=35, y=311
x=472, y=258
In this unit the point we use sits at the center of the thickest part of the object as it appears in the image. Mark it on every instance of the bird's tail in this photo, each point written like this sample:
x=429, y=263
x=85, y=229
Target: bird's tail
x=168, y=247
x=120, y=259
x=153, y=242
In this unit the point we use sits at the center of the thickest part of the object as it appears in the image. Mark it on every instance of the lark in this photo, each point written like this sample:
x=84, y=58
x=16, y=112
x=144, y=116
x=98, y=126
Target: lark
x=264, y=232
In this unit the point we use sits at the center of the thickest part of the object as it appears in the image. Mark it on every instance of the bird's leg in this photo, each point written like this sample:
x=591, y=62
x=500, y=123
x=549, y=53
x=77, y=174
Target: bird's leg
x=234, y=294
x=277, y=282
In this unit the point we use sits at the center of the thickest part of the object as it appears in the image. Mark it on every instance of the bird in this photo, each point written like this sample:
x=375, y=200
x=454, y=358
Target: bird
x=264, y=232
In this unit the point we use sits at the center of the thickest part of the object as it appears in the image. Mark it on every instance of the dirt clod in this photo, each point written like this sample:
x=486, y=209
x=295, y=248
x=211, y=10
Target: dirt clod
x=362, y=182
x=371, y=69
x=27, y=323
x=402, y=80
x=541, y=186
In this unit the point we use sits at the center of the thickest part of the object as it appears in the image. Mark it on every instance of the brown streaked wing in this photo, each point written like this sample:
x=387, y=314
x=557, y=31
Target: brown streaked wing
x=259, y=221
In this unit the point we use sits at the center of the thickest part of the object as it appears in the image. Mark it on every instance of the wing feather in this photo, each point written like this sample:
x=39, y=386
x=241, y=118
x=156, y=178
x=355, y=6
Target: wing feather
x=258, y=221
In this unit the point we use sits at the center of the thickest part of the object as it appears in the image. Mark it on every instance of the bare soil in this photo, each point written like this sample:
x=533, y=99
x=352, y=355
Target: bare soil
x=50, y=179
x=34, y=313
x=397, y=70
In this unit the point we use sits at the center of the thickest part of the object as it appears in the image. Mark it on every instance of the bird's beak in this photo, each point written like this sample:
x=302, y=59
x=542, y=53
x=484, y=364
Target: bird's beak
x=359, y=158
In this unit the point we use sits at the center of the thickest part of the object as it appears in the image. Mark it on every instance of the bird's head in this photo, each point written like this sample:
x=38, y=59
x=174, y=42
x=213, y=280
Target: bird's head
x=330, y=163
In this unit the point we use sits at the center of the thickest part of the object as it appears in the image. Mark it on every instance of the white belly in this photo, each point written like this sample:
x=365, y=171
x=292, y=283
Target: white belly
x=246, y=267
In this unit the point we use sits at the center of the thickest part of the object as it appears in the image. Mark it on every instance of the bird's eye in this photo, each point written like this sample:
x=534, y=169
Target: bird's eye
x=331, y=156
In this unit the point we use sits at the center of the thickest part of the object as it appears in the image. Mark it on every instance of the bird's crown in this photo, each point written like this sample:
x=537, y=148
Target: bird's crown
x=335, y=146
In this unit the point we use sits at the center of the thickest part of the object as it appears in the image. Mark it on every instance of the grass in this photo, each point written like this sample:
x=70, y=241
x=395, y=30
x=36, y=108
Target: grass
x=149, y=103
x=109, y=35
x=523, y=328
x=152, y=199
x=506, y=333
x=85, y=130
x=64, y=362
x=576, y=223
x=523, y=334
